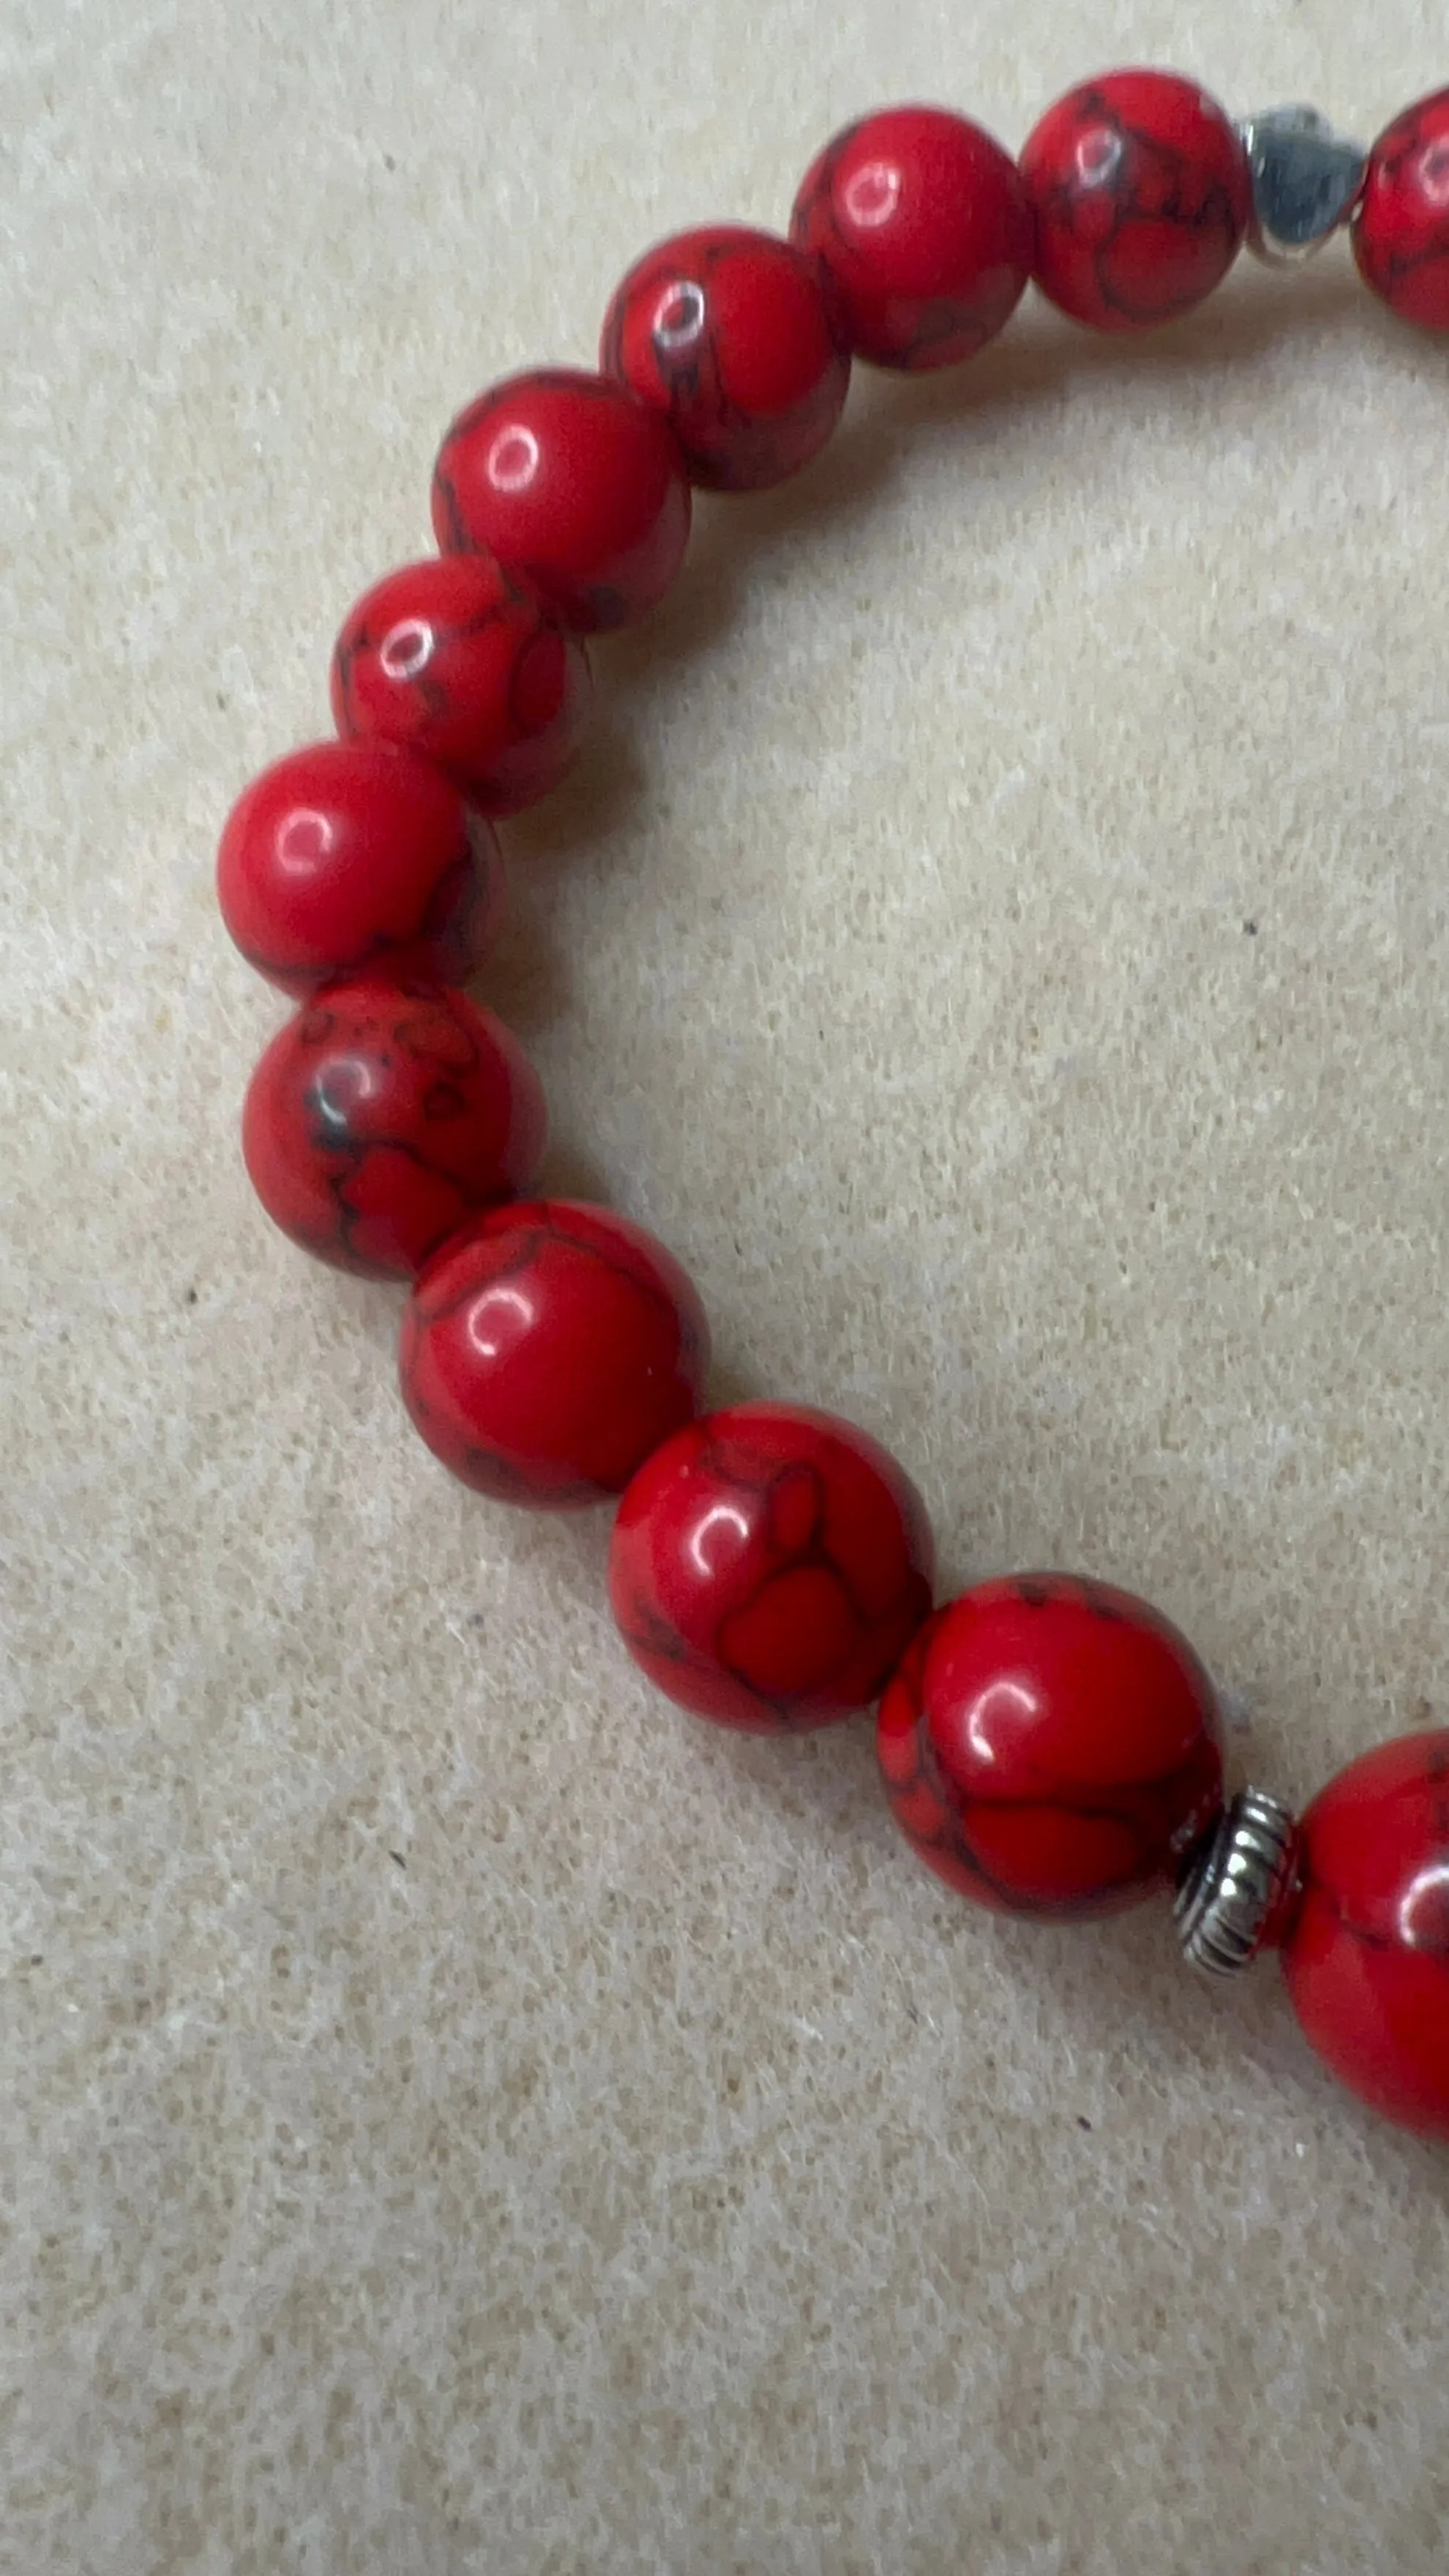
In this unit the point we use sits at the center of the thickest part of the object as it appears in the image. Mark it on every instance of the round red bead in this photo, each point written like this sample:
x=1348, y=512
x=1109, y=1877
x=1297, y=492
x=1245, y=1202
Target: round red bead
x=1401, y=233
x=456, y=660
x=1141, y=191
x=350, y=856
x=1366, y=1954
x=727, y=332
x=922, y=226
x=381, y=1118
x=1051, y=1746
x=769, y=1565
x=548, y=1349
x=574, y=486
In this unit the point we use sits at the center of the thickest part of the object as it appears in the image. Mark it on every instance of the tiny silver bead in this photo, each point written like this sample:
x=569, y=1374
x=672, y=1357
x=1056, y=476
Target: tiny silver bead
x=1307, y=181
x=1234, y=1883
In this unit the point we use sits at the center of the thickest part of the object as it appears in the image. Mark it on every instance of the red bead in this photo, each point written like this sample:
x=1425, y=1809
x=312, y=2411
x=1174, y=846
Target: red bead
x=456, y=660
x=574, y=486
x=1367, y=1953
x=351, y=856
x=922, y=226
x=548, y=1349
x=1401, y=233
x=1051, y=1747
x=380, y=1119
x=1142, y=194
x=769, y=1565
x=727, y=332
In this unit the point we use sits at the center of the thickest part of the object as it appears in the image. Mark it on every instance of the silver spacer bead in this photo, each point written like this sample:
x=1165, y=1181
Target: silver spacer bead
x=1307, y=181
x=1233, y=1884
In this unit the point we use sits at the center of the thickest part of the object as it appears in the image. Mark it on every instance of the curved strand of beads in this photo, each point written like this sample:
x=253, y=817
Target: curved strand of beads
x=1049, y=1746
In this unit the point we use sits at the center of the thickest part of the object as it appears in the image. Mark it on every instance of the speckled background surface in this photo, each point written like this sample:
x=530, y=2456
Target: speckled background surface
x=461, y=2115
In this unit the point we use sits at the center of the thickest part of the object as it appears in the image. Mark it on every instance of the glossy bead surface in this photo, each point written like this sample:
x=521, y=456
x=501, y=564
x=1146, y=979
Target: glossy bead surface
x=1366, y=1955
x=1401, y=233
x=922, y=226
x=1051, y=1746
x=456, y=660
x=573, y=486
x=1141, y=192
x=727, y=334
x=349, y=857
x=548, y=1349
x=382, y=1118
x=768, y=1567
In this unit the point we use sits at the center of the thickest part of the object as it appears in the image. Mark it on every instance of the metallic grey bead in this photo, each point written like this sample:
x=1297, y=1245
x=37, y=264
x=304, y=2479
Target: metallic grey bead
x=1233, y=1883
x=1306, y=181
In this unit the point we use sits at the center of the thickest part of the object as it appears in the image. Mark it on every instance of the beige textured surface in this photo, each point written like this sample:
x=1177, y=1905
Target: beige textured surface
x=460, y=2115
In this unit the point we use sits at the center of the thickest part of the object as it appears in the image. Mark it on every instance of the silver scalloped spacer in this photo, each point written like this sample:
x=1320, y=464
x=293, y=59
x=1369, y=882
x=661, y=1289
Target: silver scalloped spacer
x=1234, y=1883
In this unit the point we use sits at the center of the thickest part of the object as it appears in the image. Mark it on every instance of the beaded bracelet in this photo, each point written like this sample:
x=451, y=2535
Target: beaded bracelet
x=1049, y=1746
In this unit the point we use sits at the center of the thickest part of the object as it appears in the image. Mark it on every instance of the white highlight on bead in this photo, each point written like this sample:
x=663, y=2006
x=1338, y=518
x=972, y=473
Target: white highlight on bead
x=873, y=194
x=406, y=647
x=513, y=459
x=679, y=315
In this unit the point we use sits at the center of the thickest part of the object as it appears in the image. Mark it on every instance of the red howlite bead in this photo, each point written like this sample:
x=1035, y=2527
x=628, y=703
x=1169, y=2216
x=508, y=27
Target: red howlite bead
x=727, y=332
x=548, y=1349
x=1142, y=194
x=922, y=226
x=350, y=856
x=1366, y=1955
x=1401, y=232
x=456, y=660
x=769, y=1565
x=1051, y=1746
x=574, y=486
x=380, y=1119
